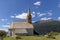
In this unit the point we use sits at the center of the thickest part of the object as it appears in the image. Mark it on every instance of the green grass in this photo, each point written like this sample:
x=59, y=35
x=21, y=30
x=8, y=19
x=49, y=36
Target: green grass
x=33, y=38
x=9, y=38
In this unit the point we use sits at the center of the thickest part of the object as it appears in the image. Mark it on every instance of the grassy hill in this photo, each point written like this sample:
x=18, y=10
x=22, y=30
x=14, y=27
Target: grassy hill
x=43, y=27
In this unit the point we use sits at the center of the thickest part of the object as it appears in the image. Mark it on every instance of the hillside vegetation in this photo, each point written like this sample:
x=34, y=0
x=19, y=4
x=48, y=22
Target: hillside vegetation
x=44, y=27
x=33, y=38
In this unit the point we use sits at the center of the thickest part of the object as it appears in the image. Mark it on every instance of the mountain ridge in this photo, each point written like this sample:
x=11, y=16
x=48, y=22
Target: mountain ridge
x=46, y=26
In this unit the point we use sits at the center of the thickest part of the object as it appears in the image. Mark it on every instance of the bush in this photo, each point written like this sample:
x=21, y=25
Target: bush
x=52, y=34
x=2, y=33
x=18, y=37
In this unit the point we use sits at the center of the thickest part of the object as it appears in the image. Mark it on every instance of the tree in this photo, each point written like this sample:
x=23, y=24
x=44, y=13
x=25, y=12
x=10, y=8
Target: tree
x=52, y=34
x=2, y=33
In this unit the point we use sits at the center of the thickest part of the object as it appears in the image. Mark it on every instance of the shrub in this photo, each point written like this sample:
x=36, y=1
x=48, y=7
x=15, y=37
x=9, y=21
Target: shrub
x=52, y=34
x=2, y=33
x=18, y=37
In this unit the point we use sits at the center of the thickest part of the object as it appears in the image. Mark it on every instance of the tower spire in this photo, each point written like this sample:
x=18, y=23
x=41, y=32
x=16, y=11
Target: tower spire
x=29, y=17
x=29, y=12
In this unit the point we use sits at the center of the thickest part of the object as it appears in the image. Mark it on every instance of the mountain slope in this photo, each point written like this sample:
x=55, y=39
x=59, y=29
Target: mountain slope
x=43, y=27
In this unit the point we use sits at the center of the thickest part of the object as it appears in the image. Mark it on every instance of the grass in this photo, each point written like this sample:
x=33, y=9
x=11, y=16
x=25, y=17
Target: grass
x=33, y=38
x=9, y=38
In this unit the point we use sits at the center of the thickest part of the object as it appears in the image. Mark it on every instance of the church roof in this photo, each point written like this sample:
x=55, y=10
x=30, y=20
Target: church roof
x=19, y=24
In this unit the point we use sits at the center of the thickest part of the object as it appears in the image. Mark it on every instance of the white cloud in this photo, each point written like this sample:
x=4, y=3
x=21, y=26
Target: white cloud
x=45, y=18
x=4, y=29
x=49, y=12
x=33, y=12
x=58, y=18
x=1, y=29
x=37, y=3
x=33, y=15
x=3, y=19
x=41, y=14
x=22, y=16
x=12, y=16
x=5, y=26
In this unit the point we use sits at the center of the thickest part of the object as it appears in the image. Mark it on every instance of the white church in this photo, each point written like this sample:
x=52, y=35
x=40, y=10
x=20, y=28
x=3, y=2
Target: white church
x=22, y=27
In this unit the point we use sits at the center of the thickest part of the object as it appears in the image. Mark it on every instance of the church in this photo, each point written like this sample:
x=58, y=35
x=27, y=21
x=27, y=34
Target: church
x=22, y=27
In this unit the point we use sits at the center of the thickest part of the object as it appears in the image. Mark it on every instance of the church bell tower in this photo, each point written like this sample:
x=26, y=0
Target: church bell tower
x=29, y=17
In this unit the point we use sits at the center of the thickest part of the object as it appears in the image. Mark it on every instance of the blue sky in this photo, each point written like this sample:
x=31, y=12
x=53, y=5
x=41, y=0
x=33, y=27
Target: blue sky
x=11, y=10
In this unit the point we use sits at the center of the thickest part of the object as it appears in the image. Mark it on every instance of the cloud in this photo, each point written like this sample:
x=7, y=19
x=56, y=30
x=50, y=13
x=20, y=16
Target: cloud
x=49, y=12
x=37, y=3
x=5, y=26
x=45, y=18
x=24, y=15
x=4, y=29
x=58, y=18
x=3, y=19
x=41, y=14
x=12, y=16
x=33, y=12
x=21, y=16
x=33, y=15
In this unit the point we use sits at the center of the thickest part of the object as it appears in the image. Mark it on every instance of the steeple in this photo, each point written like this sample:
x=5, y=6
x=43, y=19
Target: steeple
x=29, y=17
